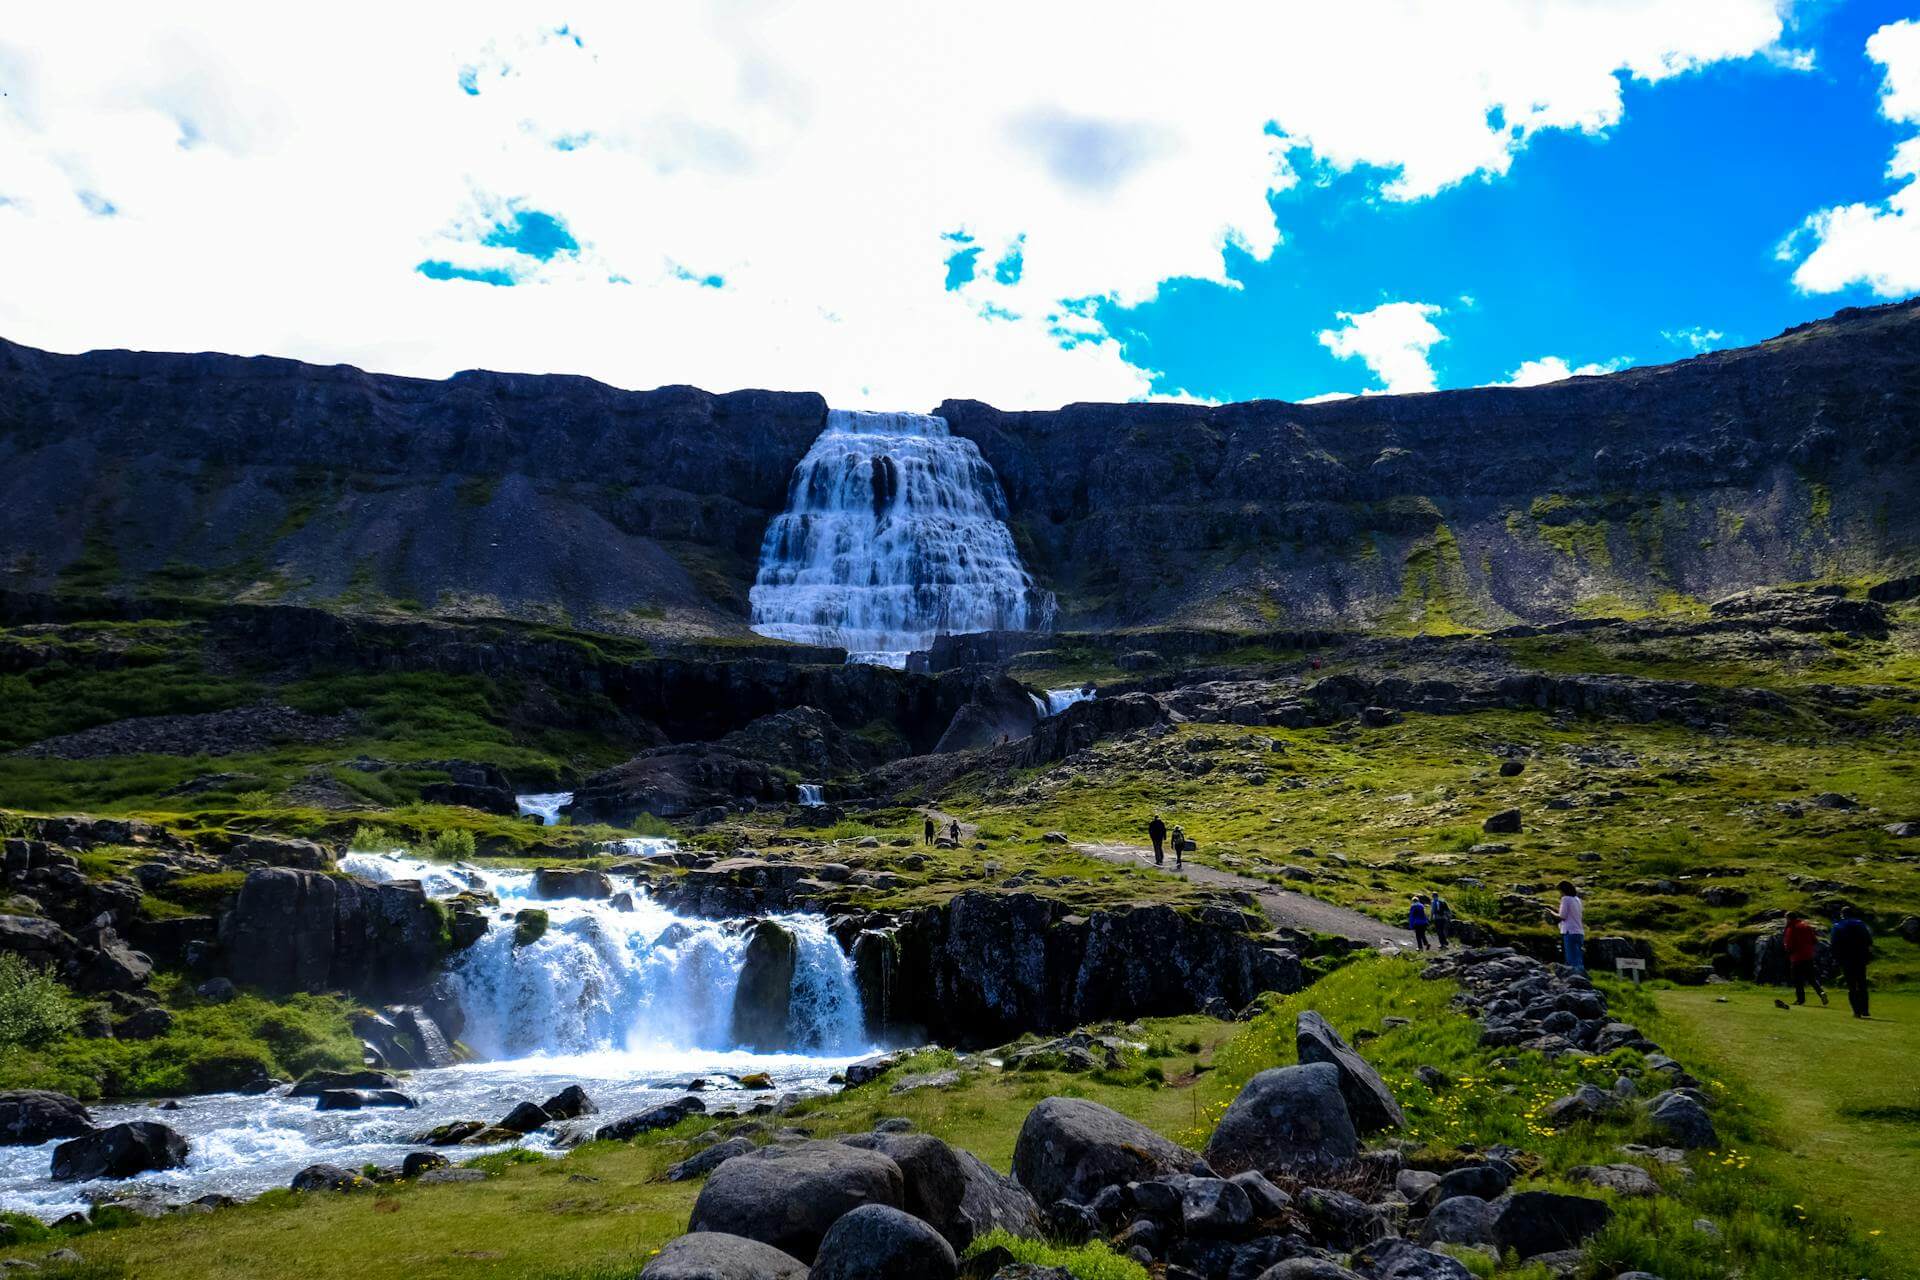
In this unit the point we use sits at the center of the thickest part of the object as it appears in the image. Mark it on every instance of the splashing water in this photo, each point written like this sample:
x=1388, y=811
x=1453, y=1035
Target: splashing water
x=1059, y=700
x=544, y=805
x=812, y=794
x=895, y=531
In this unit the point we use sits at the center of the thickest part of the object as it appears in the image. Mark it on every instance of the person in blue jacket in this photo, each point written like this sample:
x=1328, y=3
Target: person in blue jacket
x=1852, y=946
x=1417, y=921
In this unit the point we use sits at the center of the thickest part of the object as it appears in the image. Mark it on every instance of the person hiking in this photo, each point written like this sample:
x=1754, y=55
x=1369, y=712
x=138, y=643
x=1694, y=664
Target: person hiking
x=1417, y=921
x=953, y=831
x=1802, y=945
x=1441, y=914
x=1179, y=848
x=1572, y=916
x=1852, y=945
x=1157, y=832
x=929, y=829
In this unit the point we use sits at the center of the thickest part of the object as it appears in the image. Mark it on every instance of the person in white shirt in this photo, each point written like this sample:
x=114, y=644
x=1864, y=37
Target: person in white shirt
x=1572, y=916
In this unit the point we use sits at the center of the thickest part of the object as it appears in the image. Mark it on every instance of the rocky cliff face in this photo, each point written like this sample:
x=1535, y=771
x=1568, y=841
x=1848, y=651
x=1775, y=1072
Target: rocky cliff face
x=546, y=497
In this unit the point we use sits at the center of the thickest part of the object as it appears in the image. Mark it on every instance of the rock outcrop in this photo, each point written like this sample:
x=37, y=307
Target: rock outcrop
x=292, y=930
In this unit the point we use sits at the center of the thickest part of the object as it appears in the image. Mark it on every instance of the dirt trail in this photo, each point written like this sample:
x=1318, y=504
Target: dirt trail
x=1284, y=908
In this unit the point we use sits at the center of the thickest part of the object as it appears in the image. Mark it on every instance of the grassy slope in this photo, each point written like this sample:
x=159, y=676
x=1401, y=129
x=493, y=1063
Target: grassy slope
x=603, y=1203
x=1839, y=1094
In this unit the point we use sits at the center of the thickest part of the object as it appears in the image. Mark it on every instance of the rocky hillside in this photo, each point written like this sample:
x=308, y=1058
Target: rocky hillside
x=549, y=497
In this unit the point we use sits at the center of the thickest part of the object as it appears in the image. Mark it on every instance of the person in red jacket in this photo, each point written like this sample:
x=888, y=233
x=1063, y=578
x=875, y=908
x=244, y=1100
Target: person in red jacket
x=1801, y=944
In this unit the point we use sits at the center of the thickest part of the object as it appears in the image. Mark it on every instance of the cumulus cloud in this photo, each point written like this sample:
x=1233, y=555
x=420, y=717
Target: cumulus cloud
x=1694, y=338
x=1876, y=245
x=1393, y=340
x=1532, y=373
x=757, y=192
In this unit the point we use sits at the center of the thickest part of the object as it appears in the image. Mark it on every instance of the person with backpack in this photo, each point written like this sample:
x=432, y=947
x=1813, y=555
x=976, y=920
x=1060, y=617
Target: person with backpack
x=1851, y=943
x=1179, y=848
x=1417, y=921
x=1157, y=832
x=1441, y=914
x=1802, y=944
x=1572, y=915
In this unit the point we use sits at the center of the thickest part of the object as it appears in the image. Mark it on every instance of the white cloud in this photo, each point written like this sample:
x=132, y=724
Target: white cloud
x=1694, y=338
x=1533, y=373
x=1877, y=245
x=1393, y=339
x=275, y=179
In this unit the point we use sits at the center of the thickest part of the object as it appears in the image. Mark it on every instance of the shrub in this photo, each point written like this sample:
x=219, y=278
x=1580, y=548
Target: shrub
x=370, y=839
x=455, y=843
x=34, y=1007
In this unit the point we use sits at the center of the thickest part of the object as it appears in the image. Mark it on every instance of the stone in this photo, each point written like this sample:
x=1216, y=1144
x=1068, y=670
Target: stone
x=119, y=1151
x=315, y=1083
x=1415, y=1183
x=1621, y=1179
x=1345, y=1220
x=1459, y=1220
x=763, y=994
x=1267, y=1200
x=29, y=1117
x=1504, y=823
x=524, y=1118
x=356, y=1099
x=571, y=882
x=1215, y=1207
x=1069, y=1148
x=328, y=1177
x=953, y=1190
x=217, y=990
x=1292, y=1118
x=1370, y=1103
x=788, y=1196
x=715, y=1255
x=702, y=1163
x=436, y=1177
x=419, y=1162
x=1536, y=1222
x=1308, y=1269
x=1397, y=1259
x=1684, y=1122
x=878, y=1242
x=1486, y=1181
x=664, y=1116
x=570, y=1103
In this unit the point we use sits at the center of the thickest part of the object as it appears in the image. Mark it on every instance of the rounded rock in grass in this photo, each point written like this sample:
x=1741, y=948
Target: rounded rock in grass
x=877, y=1242
x=715, y=1255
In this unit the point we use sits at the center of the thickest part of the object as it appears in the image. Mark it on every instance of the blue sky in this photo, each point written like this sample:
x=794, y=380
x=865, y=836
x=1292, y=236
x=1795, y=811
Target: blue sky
x=1291, y=200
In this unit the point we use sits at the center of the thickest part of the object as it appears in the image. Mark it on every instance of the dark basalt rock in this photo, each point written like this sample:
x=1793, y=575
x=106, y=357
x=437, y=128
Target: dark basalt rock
x=1292, y=1118
x=1534, y=1222
x=762, y=997
x=29, y=1117
x=1369, y=1102
x=293, y=930
x=953, y=1190
x=664, y=1116
x=120, y=1151
x=715, y=1255
x=788, y=1196
x=877, y=1242
x=1070, y=1149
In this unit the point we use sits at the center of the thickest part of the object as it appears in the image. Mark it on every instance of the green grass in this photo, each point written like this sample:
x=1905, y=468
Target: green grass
x=1840, y=1095
x=1094, y=1260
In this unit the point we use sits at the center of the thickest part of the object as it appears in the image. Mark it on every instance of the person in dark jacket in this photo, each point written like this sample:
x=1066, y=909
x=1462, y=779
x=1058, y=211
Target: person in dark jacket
x=953, y=831
x=1440, y=912
x=1417, y=921
x=929, y=828
x=1851, y=943
x=1179, y=835
x=1802, y=945
x=1157, y=832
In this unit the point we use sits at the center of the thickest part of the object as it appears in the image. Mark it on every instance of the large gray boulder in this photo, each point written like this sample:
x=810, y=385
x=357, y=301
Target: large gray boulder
x=954, y=1191
x=29, y=1117
x=763, y=996
x=1459, y=1220
x=1397, y=1259
x=1369, y=1102
x=571, y=882
x=1683, y=1121
x=787, y=1196
x=120, y=1151
x=714, y=1255
x=1291, y=1118
x=1069, y=1148
x=1531, y=1222
x=875, y=1242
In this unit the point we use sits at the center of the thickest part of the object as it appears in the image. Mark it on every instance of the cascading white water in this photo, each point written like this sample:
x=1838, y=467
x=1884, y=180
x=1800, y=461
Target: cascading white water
x=544, y=805
x=895, y=532
x=812, y=794
x=1059, y=700
x=620, y=975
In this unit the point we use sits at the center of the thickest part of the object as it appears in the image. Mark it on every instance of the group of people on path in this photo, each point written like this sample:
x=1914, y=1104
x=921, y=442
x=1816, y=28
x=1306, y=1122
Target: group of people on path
x=1430, y=911
x=1851, y=946
x=953, y=830
x=1158, y=833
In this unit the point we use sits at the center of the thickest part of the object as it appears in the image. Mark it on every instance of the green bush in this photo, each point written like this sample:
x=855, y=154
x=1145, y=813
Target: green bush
x=34, y=1007
x=456, y=843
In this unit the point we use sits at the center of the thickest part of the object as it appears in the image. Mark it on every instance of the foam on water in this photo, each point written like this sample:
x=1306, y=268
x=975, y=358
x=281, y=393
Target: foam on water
x=545, y=805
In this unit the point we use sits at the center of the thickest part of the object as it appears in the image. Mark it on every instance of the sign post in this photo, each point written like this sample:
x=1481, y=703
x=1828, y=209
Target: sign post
x=1628, y=965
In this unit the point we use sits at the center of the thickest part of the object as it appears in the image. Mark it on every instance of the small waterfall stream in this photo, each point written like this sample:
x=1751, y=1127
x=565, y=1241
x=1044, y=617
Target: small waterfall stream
x=895, y=532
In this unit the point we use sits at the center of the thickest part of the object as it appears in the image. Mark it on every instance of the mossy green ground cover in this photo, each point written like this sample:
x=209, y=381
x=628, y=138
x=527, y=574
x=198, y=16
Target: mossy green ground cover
x=606, y=1202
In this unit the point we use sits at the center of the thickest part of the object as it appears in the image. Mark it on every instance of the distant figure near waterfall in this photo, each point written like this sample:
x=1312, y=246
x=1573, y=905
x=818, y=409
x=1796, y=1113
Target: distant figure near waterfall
x=930, y=829
x=1157, y=832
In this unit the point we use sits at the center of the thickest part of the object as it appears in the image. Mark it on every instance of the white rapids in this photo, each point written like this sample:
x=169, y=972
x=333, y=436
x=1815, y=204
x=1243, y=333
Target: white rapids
x=629, y=1001
x=544, y=805
x=895, y=532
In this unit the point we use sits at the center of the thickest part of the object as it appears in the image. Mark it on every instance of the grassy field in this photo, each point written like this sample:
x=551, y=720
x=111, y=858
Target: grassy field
x=1839, y=1096
x=599, y=1212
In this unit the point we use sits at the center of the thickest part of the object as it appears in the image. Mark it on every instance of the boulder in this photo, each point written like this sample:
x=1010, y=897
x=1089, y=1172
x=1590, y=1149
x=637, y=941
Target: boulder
x=315, y=1083
x=1342, y=1219
x=524, y=1118
x=1397, y=1259
x=702, y=1163
x=1504, y=823
x=570, y=1103
x=1215, y=1207
x=571, y=882
x=1292, y=1118
x=327, y=1177
x=1621, y=1179
x=1069, y=1148
x=952, y=1190
x=1683, y=1122
x=29, y=1117
x=1486, y=1181
x=664, y=1116
x=788, y=1196
x=877, y=1242
x=1459, y=1220
x=1308, y=1269
x=419, y=1162
x=1370, y=1103
x=120, y=1151
x=356, y=1099
x=715, y=1255
x=763, y=995
x=1533, y=1222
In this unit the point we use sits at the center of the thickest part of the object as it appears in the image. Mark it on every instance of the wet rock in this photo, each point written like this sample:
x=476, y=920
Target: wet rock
x=664, y=1116
x=356, y=1099
x=1291, y=1118
x=877, y=1242
x=715, y=1255
x=29, y=1117
x=763, y=994
x=524, y=1118
x=1370, y=1103
x=571, y=882
x=788, y=1196
x=315, y=1083
x=120, y=1151
x=328, y=1177
x=1070, y=1148
x=570, y=1103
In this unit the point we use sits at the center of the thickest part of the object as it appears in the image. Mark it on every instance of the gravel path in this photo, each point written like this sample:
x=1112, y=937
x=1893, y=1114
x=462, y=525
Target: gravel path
x=1283, y=907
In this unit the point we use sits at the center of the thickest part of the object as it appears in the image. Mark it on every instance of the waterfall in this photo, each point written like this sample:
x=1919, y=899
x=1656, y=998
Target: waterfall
x=812, y=794
x=620, y=974
x=544, y=805
x=895, y=531
x=1059, y=700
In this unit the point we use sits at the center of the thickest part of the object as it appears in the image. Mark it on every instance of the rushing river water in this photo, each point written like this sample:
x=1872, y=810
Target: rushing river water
x=620, y=996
